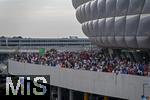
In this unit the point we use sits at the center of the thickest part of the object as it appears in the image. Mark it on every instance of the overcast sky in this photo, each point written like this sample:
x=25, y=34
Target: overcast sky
x=38, y=18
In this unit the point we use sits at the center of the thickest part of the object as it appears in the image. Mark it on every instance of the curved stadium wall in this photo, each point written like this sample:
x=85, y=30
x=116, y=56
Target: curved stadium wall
x=115, y=23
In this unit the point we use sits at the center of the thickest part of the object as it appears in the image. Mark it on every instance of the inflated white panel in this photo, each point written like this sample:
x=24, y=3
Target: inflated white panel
x=144, y=26
x=94, y=10
x=92, y=29
x=87, y=29
x=120, y=26
x=146, y=8
x=77, y=14
x=110, y=28
x=87, y=10
x=95, y=27
x=110, y=8
x=112, y=41
x=82, y=12
x=101, y=27
x=135, y=6
x=122, y=7
x=84, y=28
x=120, y=41
x=77, y=3
x=101, y=4
x=143, y=41
x=131, y=41
x=81, y=15
x=132, y=23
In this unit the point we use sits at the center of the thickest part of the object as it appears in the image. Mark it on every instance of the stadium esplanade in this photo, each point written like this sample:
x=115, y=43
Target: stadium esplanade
x=115, y=23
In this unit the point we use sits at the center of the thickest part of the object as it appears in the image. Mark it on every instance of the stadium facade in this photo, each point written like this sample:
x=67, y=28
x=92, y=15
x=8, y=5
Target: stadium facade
x=115, y=23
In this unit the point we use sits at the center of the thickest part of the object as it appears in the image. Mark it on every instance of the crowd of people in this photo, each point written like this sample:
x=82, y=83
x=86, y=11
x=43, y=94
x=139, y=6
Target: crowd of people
x=86, y=60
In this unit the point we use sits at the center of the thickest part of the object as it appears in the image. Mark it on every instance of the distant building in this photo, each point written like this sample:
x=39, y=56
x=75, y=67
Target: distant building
x=72, y=43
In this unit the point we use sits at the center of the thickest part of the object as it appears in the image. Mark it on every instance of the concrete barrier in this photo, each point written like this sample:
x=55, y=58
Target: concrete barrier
x=121, y=86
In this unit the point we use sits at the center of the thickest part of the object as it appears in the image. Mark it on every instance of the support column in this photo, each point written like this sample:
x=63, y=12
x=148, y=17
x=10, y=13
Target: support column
x=97, y=98
x=106, y=98
x=90, y=97
x=86, y=96
x=59, y=93
x=70, y=94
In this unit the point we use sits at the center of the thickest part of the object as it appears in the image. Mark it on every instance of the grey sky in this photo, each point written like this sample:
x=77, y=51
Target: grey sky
x=38, y=18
